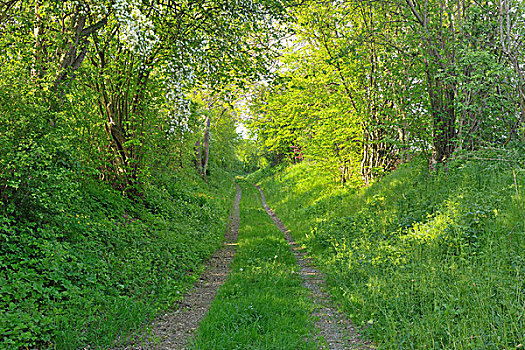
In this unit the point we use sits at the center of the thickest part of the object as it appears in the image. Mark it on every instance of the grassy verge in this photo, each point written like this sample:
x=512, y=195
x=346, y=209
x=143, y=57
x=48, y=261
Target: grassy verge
x=262, y=305
x=421, y=260
x=86, y=266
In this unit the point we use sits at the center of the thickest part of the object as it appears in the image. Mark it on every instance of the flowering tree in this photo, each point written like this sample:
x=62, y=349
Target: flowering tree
x=134, y=61
x=176, y=46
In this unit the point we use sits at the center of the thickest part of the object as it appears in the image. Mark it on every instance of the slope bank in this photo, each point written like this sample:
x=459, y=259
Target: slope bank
x=81, y=266
x=420, y=260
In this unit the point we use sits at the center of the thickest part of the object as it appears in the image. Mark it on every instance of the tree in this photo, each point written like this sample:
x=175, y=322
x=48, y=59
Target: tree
x=511, y=28
x=433, y=77
x=345, y=93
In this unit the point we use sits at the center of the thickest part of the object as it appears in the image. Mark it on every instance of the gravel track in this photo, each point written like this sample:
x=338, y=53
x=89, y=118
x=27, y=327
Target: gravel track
x=172, y=331
x=333, y=326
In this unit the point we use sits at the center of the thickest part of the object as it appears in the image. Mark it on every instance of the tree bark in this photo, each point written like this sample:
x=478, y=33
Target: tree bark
x=441, y=95
x=206, y=148
x=68, y=57
x=198, y=156
x=511, y=50
x=443, y=118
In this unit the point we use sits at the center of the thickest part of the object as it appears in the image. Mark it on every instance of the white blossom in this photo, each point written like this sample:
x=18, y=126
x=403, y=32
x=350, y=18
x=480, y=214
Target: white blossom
x=179, y=76
x=137, y=32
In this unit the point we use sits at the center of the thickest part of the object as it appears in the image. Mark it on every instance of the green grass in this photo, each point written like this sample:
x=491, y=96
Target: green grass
x=90, y=266
x=421, y=260
x=262, y=305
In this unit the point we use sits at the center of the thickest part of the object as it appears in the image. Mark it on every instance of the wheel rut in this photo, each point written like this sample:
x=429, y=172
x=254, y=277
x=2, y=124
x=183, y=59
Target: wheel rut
x=172, y=331
x=333, y=326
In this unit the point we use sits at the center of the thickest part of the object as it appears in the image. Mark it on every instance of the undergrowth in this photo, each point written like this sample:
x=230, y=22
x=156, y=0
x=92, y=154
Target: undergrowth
x=262, y=305
x=420, y=260
x=83, y=266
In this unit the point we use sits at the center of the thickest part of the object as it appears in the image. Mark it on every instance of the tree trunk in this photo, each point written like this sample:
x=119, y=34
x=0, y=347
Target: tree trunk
x=68, y=55
x=206, y=148
x=443, y=117
x=365, y=170
x=441, y=95
x=198, y=156
x=512, y=51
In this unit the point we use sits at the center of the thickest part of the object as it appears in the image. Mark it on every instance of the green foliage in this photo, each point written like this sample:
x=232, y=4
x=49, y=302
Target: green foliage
x=420, y=260
x=363, y=86
x=100, y=91
x=344, y=100
x=223, y=135
x=262, y=305
x=251, y=155
x=90, y=267
x=113, y=77
x=102, y=221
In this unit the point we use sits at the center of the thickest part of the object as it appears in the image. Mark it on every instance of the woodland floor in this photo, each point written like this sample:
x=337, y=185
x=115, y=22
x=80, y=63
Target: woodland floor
x=174, y=330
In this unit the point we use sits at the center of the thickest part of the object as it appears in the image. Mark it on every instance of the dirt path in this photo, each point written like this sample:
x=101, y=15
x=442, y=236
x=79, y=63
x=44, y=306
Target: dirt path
x=173, y=330
x=333, y=326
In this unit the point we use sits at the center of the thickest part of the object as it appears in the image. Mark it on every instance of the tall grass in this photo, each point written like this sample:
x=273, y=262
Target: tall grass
x=420, y=260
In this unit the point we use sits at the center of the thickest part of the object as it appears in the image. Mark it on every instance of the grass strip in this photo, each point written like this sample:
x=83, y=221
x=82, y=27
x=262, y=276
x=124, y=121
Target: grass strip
x=262, y=305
